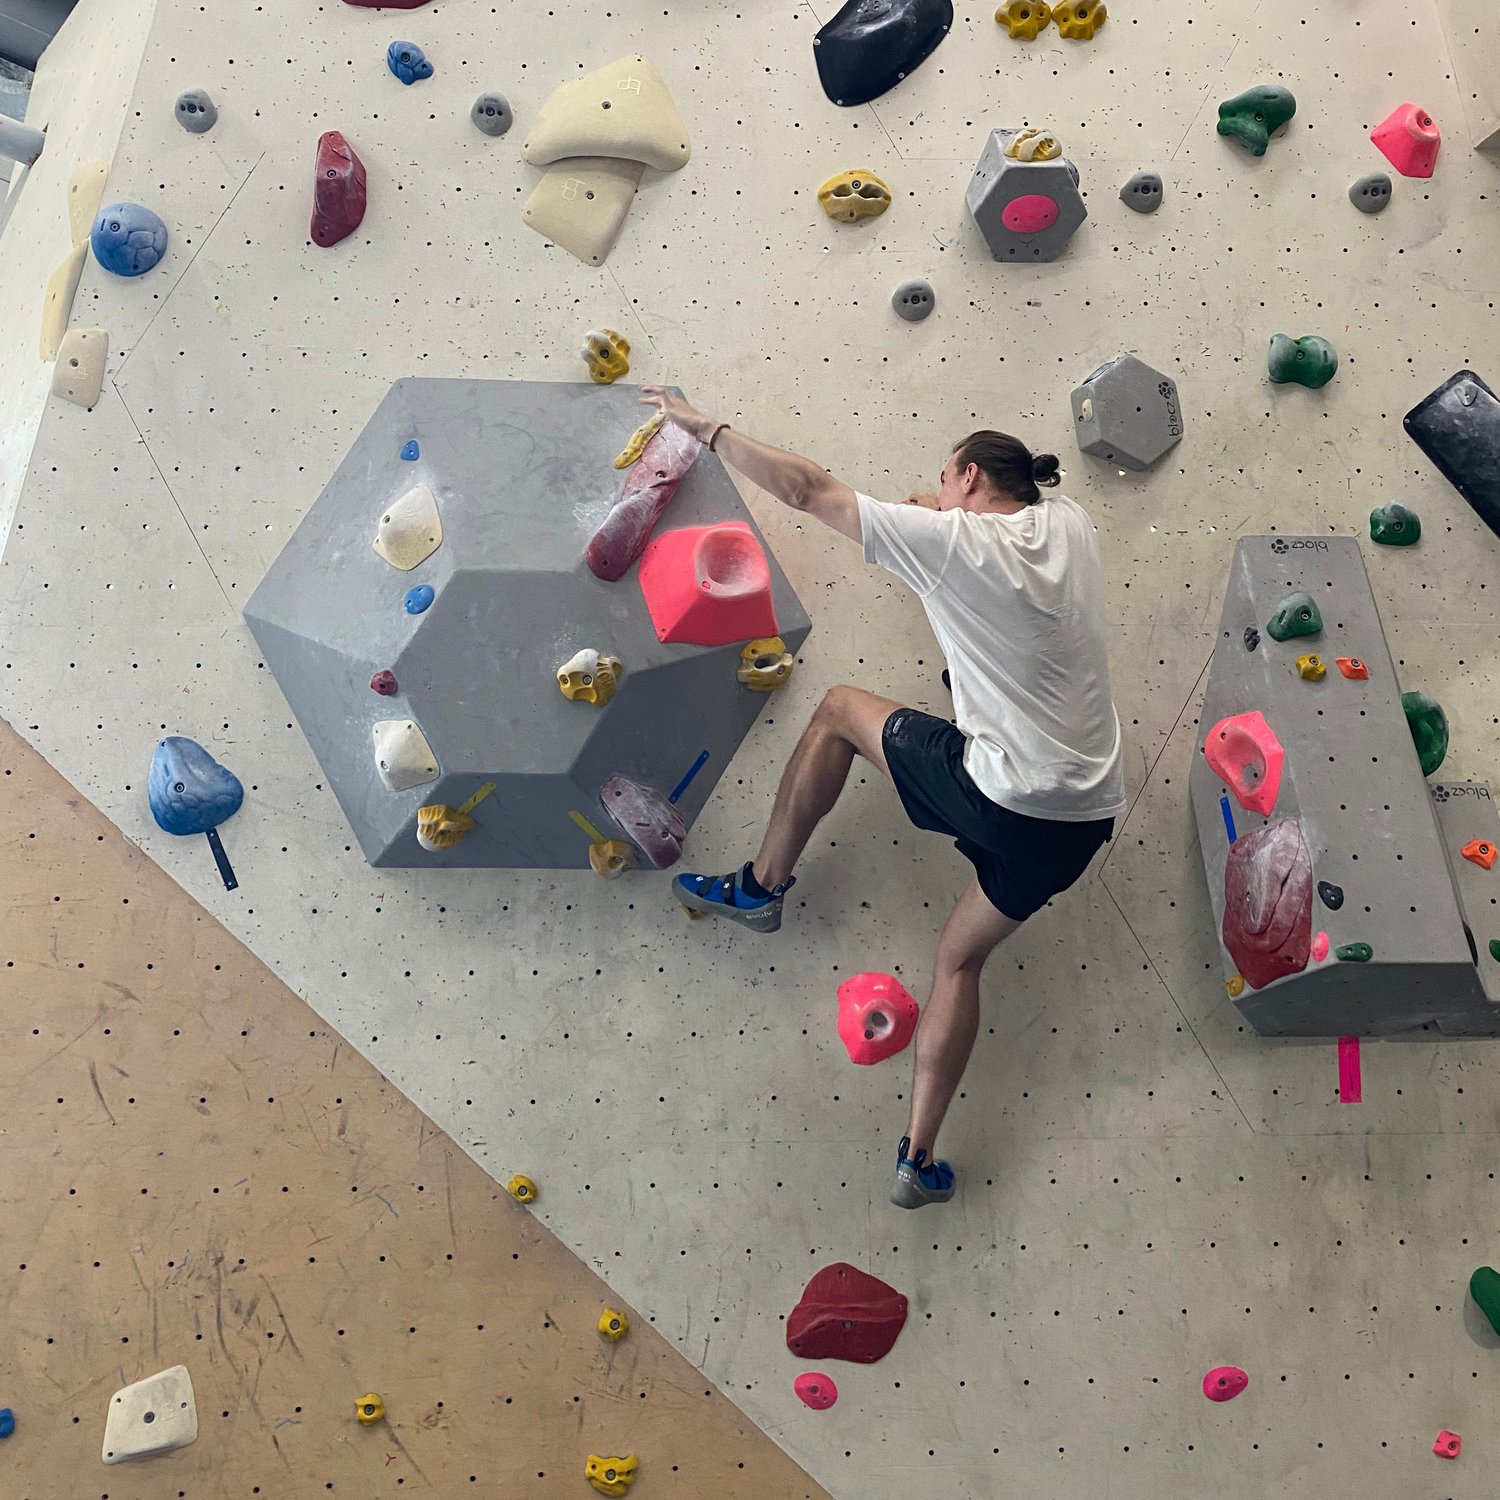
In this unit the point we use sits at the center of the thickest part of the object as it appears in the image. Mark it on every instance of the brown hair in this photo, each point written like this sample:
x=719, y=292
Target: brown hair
x=1009, y=464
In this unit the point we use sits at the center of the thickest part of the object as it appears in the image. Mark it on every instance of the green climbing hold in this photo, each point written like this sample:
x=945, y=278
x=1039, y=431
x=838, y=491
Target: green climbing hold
x=1394, y=525
x=1495, y=949
x=1484, y=1288
x=1355, y=953
x=1429, y=729
x=1252, y=116
x=1308, y=361
x=1298, y=615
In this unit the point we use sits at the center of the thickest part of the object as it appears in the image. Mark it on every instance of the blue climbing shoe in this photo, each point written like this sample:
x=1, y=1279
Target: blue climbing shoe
x=725, y=896
x=919, y=1181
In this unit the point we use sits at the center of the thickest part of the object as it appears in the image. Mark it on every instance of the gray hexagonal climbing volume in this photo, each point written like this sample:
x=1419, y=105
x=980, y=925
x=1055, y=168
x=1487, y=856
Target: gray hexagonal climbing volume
x=1127, y=413
x=1026, y=210
x=481, y=497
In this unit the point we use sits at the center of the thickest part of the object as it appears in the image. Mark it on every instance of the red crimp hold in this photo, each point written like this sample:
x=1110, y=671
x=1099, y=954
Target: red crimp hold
x=338, y=191
x=845, y=1314
x=1267, y=923
x=1224, y=1383
x=1246, y=756
x=651, y=821
x=1352, y=666
x=1480, y=852
x=649, y=487
x=1409, y=139
x=877, y=1017
x=1448, y=1444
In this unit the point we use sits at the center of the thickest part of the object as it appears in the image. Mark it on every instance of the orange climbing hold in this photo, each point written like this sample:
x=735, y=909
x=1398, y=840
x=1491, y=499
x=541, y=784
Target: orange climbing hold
x=708, y=585
x=1480, y=852
x=1247, y=757
x=1352, y=666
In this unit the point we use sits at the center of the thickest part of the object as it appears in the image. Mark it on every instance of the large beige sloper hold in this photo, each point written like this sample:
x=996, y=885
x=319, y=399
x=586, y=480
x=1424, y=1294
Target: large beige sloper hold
x=581, y=203
x=411, y=530
x=402, y=755
x=622, y=110
x=154, y=1415
x=85, y=194
x=57, y=305
x=78, y=375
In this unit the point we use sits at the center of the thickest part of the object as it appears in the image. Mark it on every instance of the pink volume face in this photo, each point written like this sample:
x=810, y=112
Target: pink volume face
x=1224, y=1383
x=1029, y=215
x=816, y=1390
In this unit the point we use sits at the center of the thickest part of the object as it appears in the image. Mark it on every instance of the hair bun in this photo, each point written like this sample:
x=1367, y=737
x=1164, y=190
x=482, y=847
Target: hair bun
x=1044, y=468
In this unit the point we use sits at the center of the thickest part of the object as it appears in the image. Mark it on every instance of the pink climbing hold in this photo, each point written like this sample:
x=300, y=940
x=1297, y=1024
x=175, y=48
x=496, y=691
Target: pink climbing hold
x=1246, y=756
x=386, y=4
x=1320, y=947
x=650, y=820
x=1408, y=138
x=1267, y=925
x=877, y=1017
x=1351, y=1086
x=649, y=487
x=384, y=683
x=816, y=1390
x=1448, y=1444
x=1224, y=1383
x=708, y=585
x=1029, y=214
x=338, y=191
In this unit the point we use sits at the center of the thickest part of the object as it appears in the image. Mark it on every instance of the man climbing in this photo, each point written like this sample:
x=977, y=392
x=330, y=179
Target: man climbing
x=1027, y=784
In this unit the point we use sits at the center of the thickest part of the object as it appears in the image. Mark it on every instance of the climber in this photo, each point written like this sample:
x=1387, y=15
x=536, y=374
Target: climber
x=1027, y=783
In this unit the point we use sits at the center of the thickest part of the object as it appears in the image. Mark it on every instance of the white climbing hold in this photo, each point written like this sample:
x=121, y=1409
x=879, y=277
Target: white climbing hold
x=85, y=194
x=57, y=305
x=622, y=109
x=411, y=530
x=402, y=755
x=581, y=203
x=154, y=1415
x=78, y=375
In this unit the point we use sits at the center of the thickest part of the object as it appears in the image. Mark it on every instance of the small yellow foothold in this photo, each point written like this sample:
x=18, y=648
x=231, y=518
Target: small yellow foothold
x=368, y=1410
x=613, y=1325
x=1033, y=145
x=638, y=440
x=607, y=354
x=765, y=664
x=589, y=677
x=1078, y=20
x=522, y=1189
x=1024, y=19
x=441, y=827
x=854, y=195
x=1235, y=985
x=611, y=858
x=611, y=1476
x=1311, y=667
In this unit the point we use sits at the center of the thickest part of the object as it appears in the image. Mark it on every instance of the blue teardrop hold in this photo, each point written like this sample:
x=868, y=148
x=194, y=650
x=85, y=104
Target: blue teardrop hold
x=411, y=452
x=189, y=791
x=7, y=1421
x=418, y=599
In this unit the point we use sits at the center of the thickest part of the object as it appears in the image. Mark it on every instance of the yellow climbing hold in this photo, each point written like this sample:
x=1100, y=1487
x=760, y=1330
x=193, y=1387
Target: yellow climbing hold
x=852, y=196
x=1312, y=668
x=588, y=677
x=1033, y=145
x=638, y=440
x=441, y=827
x=611, y=858
x=1078, y=20
x=765, y=664
x=611, y=1476
x=521, y=1188
x=368, y=1410
x=607, y=354
x=1023, y=19
x=613, y=1325
x=1235, y=985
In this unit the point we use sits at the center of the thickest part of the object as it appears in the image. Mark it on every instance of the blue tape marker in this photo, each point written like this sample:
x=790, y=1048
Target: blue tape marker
x=1228, y=818
x=693, y=770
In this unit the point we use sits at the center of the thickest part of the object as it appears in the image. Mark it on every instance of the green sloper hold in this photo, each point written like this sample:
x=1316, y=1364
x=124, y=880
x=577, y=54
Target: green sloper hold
x=1355, y=953
x=1298, y=615
x=1394, y=525
x=1252, y=116
x=1495, y=949
x=1429, y=729
x=1308, y=361
x=1484, y=1288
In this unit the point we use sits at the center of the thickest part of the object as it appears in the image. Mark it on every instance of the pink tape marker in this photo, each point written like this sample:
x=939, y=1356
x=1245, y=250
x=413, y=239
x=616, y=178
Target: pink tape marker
x=1349, y=1081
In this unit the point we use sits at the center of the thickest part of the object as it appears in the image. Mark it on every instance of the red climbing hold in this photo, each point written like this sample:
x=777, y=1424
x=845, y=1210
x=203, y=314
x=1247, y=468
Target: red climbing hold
x=877, y=1016
x=1353, y=667
x=708, y=585
x=650, y=820
x=1480, y=852
x=1408, y=138
x=338, y=191
x=387, y=4
x=384, y=683
x=815, y=1389
x=1268, y=903
x=1224, y=1383
x=649, y=487
x=1448, y=1444
x=1246, y=756
x=845, y=1314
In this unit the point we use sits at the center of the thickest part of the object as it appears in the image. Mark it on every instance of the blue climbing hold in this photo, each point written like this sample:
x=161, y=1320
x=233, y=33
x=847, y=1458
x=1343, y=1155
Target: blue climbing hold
x=7, y=1421
x=408, y=62
x=128, y=239
x=418, y=599
x=411, y=453
x=189, y=791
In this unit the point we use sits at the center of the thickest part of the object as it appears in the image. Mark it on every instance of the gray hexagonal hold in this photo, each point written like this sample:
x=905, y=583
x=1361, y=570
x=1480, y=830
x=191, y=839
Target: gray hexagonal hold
x=492, y=114
x=1026, y=210
x=195, y=111
x=913, y=300
x=1127, y=413
x=1371, y=193
x=1142, y=192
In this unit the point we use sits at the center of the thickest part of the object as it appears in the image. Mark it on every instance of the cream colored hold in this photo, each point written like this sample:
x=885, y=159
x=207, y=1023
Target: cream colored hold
x=581, y=203
x=154, y=1415
x=85, y=194
x=622, y=110
x=589, y=677
x=78, y=375
x=1033, y=145
x=402, y=755
x=411, y=530
x=57, y=305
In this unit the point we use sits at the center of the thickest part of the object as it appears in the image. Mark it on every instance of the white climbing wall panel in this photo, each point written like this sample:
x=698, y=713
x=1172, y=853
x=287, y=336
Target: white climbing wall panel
x=1147, y=1189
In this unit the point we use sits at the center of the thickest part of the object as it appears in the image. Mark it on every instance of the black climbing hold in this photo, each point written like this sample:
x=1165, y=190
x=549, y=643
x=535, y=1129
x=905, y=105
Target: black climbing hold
x=1252, y=638
x=871, y=45
x=1331, y=895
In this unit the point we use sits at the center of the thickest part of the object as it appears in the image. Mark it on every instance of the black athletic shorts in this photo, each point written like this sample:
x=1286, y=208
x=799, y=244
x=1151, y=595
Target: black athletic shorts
x=1021, y=862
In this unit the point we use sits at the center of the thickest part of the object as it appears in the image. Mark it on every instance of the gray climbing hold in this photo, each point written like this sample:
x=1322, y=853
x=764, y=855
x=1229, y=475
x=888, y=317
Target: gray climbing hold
x=492, y=114
x=1142, y=192
x=1127, y=413
x=913, y=300
x=196, y=112
x=1026, y=210
x=1371, y=193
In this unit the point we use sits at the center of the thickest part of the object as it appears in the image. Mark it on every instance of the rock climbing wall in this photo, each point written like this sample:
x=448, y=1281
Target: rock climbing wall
x=1137, y=1168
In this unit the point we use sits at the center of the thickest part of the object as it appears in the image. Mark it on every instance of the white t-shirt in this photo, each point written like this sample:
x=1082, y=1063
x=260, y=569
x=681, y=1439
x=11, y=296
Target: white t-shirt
x=1017, y=605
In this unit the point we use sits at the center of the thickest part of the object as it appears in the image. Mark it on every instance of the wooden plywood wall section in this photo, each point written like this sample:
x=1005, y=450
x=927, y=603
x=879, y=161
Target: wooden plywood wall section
x=196, y=1169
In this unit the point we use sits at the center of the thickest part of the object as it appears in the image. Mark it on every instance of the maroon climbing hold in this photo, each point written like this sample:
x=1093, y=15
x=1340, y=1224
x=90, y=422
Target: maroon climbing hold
x=1268, y=903
x=1246, y=756
x=384, y=683
x=386, y=4
x=1224, y=1383
x=845, y=1314
x=338, y=190
x=649, y=487
x=652, y=822
x=877, y=1017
